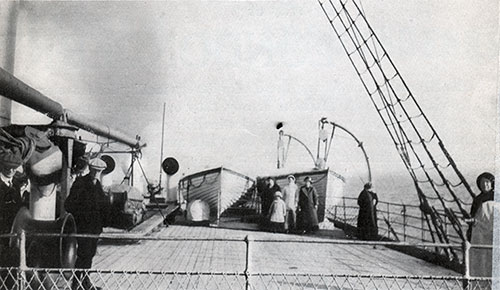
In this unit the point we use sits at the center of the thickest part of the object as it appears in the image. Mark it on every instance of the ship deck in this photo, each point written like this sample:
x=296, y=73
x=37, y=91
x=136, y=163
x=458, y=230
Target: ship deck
x=287, y=254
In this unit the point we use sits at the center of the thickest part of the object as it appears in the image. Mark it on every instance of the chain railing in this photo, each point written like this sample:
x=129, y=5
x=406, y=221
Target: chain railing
x=24, y=277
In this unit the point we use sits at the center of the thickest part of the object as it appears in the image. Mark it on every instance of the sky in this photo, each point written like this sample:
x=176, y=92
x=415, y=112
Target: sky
x=228, y=71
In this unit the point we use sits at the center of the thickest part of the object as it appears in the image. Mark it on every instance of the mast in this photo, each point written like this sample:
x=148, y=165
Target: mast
x=8, y=28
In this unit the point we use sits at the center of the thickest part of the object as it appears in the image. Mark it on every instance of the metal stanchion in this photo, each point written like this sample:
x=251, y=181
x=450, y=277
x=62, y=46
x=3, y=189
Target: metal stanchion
x=466, y=250
x=404, y=223
x=247, y=263
x=343, y=207
x=23, y=267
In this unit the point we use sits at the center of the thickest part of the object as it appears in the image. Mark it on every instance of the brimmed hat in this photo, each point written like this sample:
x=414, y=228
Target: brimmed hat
x=278, y=193
x=97, y=164
x=290, y=176
x=10, y=158
x=308, y=178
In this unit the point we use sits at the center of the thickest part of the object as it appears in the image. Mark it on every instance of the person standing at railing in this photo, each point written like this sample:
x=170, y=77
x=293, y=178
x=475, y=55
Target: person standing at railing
x=486, y=184
x=89, y=206
x=367, y=226
x=482, y=227
x=307, y=210
x=291, y=199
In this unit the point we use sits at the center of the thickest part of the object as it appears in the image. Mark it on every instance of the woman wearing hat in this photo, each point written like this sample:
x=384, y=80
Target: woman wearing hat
x=88, y=204
x=291, y=198
x=307, y=215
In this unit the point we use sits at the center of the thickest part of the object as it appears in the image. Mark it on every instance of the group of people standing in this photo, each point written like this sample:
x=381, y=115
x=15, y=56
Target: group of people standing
x=290, y=209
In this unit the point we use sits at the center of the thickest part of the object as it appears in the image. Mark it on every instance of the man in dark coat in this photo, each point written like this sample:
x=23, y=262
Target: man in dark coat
x=88, y=204
x=267, y=195
x=10, y=196
x=307, y=209
x=367, y=217
x=10, y=203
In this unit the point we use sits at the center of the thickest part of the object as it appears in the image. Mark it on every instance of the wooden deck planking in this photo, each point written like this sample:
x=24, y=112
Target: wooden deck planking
x=278, y=257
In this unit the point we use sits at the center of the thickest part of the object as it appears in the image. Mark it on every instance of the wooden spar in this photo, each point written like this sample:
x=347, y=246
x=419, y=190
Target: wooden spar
x=18, y=91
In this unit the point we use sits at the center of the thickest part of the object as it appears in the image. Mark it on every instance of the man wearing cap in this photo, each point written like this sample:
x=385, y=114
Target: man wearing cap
x=291, y=199
x=308, y=207
x=10, y=196
x=10, y=203
x=88, y=204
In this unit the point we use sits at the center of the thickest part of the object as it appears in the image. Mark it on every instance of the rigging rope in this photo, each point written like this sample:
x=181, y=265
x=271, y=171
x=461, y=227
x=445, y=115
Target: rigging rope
x=384, y=91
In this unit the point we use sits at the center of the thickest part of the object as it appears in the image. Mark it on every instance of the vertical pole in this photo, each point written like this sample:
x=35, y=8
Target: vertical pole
x=161, y=148
x=466, y=250
x=388, y=221
x=422, y=225
x=8, y=28
x=343, y=206
x=218, y=207
x=21, y=275
x=167, y=188
x=66, y=175
x=131, y=179
x=247, y=263
x=404, y=222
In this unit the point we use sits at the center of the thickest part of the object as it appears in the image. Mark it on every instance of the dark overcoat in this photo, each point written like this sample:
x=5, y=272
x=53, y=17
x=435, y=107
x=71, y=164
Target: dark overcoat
x=307, y=216
x=367, y=217
x=267, y=197
x=10, y=203
x=88, y=204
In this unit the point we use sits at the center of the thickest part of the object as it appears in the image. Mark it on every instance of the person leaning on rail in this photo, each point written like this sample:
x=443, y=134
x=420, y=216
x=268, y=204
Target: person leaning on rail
x=367, y=228
x=88, y=204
